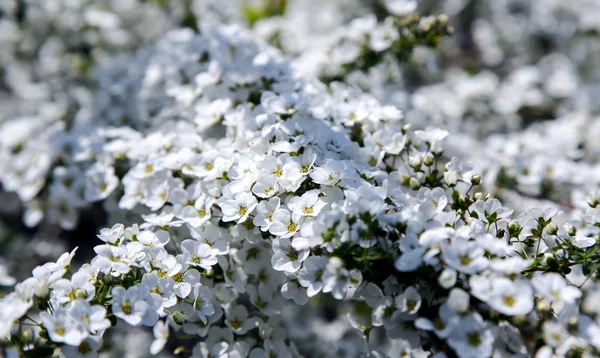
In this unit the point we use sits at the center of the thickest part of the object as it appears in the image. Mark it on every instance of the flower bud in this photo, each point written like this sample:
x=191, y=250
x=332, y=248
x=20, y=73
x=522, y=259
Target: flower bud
x=80, y=293
x=458, y=300
x=573, y=324
x=514, y=225
x=544, y=308
x=478, y=196
x=107, y=279
x=26, y=336
x=476, y=179
x=179, y=317
x=447, y=278
x=415, y=162
x=428, y=160
x=414, y=183
x=519, y=320
x=570, y=229
x=450, y=177
x=552, y=229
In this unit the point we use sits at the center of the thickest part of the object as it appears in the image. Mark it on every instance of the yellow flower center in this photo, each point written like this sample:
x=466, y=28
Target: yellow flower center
x=60, y=330
x=292, y=227
x=509, y=300
x=126, y=307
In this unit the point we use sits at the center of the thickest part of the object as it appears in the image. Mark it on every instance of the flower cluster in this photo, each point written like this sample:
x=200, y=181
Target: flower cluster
x=247, y=198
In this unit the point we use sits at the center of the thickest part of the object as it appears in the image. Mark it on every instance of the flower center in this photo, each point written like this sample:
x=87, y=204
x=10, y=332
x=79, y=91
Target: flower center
x=60, y=330
x=465, y=260
x=84, y=348
x=473, y=339
x=438, y=324
x=509, y=300
x=195, y=259
x=292, y=227
x=293, y=254
x=126, y=307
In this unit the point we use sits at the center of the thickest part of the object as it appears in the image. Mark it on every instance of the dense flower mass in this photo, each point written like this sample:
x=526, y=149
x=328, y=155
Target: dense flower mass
x=284, y=190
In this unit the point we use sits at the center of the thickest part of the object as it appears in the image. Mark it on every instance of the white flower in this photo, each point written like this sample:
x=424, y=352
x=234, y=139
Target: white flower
x=271, y=349
x=433, y=137
x=382, y=37
x=292, y=290
x=309, y=204
x=288, y=255
x=554, y=333
x=447, y=278
x=285, y=224
x=284, y=104
x=198, y=254
x=211, y=235
x=509, y=297
x=63, y=328
x=266, y=186
x=237, y=319
x=156, y=194
x=161, y=335
x=330, y=172
x=154, y=239
x=132, y=305
x=199, y=213
x=554, y=288
x=473, y=339
x=490, y=211
x=100, y=182
x=392, y=143
x=5, y=278
x=443, y=325
x=240, y=208
x=93, y=317
x=296, y=168
x=235, y=276
x=400, y=7
x=264, y=213
x=164, y=287
x=113, y=258
x=582, y=241
x=113, y=234
x=311, y=274
x=409, y=301
x=203, y=302
x=465, y=256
